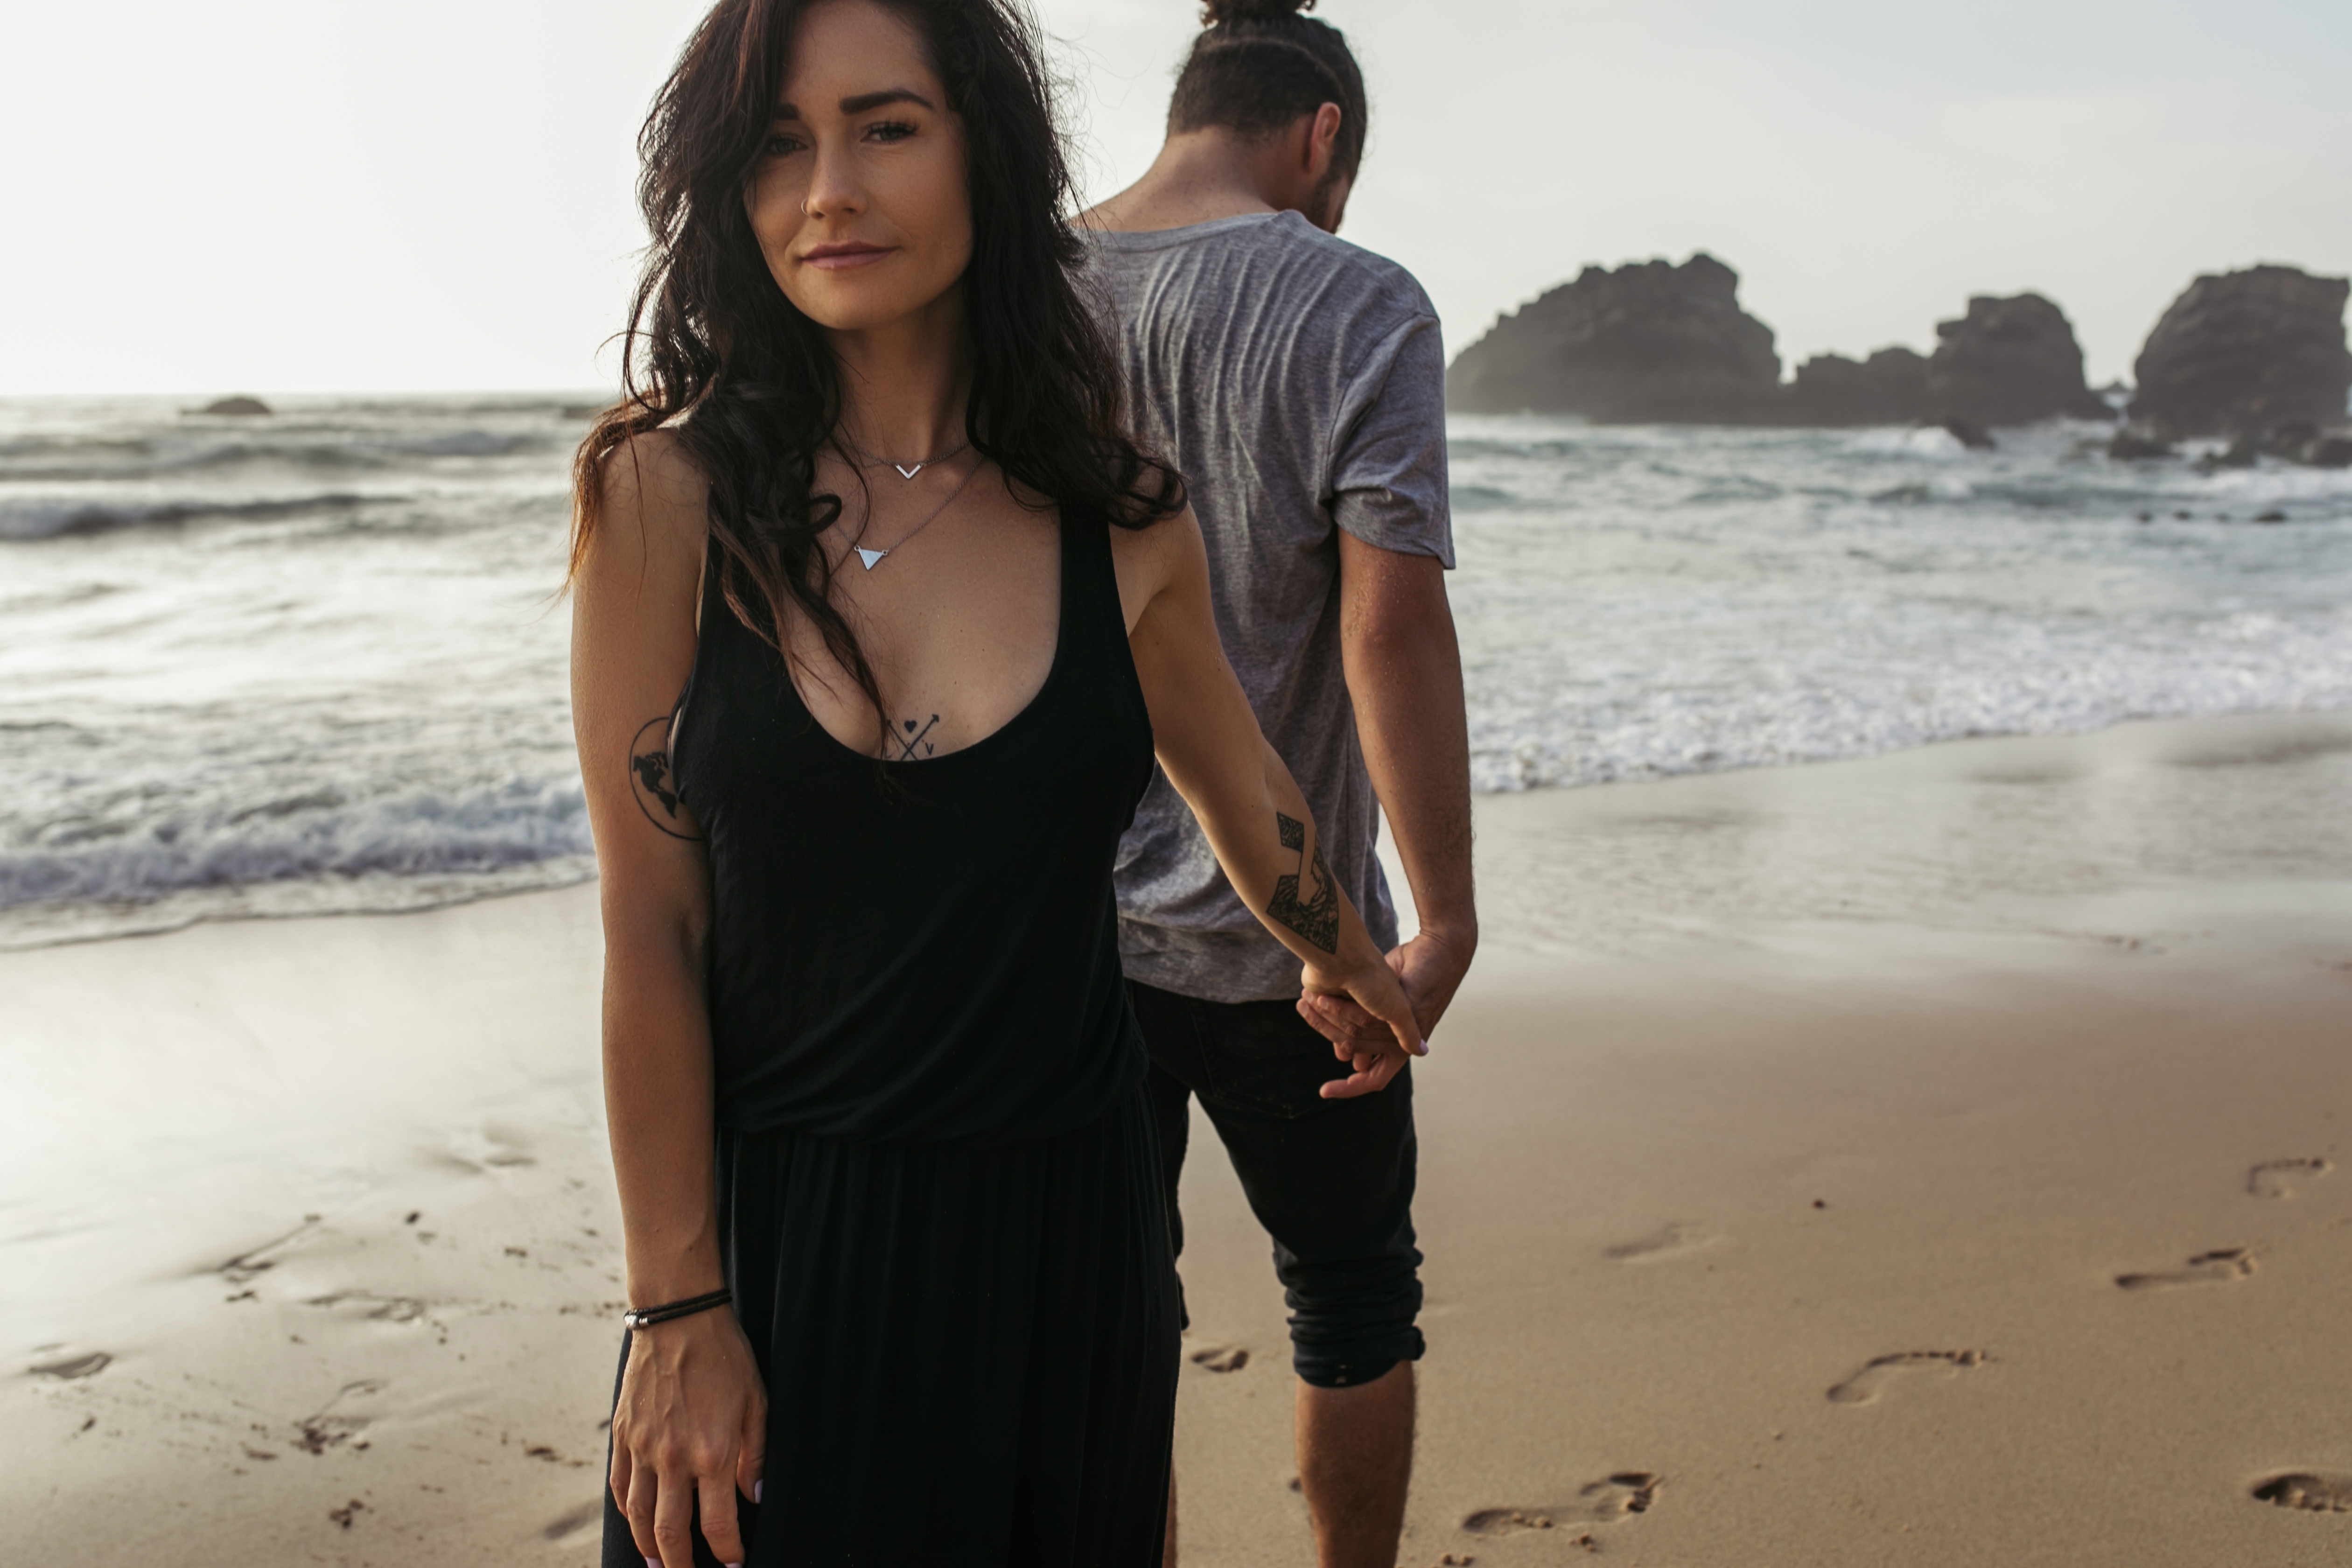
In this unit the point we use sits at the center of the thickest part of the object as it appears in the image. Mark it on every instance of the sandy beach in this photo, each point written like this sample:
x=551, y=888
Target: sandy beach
x=1930, y=1159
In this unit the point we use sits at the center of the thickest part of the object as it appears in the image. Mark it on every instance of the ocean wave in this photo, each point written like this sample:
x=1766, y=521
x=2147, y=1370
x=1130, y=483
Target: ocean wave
x=2252, y=663
x=315, y=836
x=68, y=459
x=1480, y=498
x=25, y=518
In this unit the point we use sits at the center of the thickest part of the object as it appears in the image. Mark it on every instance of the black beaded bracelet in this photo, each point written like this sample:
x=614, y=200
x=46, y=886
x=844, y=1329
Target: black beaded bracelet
x=646, y=1317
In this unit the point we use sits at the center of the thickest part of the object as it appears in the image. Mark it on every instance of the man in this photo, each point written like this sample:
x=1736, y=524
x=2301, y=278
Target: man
x=1298, y=383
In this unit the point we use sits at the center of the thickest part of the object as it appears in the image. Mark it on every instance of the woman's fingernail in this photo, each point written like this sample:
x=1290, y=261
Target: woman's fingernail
x=1422, y=1049
x=652, y=1562
x=756, y=1486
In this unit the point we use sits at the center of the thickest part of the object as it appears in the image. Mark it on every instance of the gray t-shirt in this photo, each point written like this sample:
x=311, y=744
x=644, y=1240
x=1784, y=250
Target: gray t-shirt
x=1298, y=381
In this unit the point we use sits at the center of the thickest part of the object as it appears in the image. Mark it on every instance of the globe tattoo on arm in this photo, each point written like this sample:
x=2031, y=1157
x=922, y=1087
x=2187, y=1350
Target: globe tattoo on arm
x=1317, y=919
x=651, y=780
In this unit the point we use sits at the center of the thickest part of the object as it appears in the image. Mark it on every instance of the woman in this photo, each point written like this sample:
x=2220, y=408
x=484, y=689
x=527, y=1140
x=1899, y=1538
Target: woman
x=879, y=619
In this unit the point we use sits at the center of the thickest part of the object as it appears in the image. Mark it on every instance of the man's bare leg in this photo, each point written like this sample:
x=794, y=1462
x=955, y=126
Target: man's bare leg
x=1355, y=1462
x=1167, y=1548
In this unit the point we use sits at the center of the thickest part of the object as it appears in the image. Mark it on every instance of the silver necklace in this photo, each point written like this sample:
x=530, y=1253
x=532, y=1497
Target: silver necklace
x=904, y=471
x=873, y=558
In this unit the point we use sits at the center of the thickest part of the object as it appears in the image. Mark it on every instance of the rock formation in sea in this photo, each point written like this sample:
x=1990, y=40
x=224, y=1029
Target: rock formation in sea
x=2246, y=352
x=1647, y=343
x=236, y=408
x=2010, y=362
x=1890, y=387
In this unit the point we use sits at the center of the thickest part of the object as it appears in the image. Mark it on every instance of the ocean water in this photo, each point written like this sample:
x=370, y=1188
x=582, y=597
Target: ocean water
x=313, y=663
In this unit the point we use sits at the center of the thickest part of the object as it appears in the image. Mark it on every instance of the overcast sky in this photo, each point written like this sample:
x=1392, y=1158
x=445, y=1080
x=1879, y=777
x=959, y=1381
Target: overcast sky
x=303, y=195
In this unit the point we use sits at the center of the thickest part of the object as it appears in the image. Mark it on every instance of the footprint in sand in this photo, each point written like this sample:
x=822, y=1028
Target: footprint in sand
x=332, y=1427
x=1864, y=1386
x=383, y=1309
x=1664, y=1242
x=2313, y=1494
x=2280, y=1178
x=67, y=1368
x=578, y=1519
x=1599, y=1502
x=2205, y=1269
x=257, y=1260
x=1221, y=1358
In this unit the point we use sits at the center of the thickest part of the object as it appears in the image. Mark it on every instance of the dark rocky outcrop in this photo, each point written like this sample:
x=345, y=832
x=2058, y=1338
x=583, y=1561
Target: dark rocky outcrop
x=1967, y=432
x=1647, y=342
x=236, y=407
x=1890, y=387
x=2296, y=441
x=2133, y=443
x=2328, y=452
x=2010, y=362
x=2245, y=352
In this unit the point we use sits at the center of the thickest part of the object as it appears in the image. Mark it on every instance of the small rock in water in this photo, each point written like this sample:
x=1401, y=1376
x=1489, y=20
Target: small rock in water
x=2131, y=444
x=2329, y=452
x=2243, y=453
x=2269, y=516
x=1969, y=434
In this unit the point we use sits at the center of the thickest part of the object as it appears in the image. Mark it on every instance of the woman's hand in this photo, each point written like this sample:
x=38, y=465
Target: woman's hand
x=1376, y=1055
x=691, y=1424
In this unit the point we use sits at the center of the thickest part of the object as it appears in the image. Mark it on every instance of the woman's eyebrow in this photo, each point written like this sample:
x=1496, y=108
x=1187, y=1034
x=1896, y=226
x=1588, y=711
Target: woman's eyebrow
x=861, y=102
x=866, y=100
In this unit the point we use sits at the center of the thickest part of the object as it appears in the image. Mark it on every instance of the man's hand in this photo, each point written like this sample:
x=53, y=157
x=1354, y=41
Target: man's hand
x=1429, y=967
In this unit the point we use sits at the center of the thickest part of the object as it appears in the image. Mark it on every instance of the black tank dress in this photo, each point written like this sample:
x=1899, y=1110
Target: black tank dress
x=938, y=1197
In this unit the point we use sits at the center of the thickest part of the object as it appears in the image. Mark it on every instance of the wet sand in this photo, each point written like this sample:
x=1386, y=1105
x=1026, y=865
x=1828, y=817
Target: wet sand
x=1927, y=1159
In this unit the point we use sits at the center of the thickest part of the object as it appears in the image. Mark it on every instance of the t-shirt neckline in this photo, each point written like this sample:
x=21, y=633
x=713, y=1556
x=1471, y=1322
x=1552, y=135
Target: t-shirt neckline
x=1153, y=238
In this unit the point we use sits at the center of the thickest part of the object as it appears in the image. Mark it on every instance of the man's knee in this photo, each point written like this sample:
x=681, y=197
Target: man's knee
x=1350, y=1324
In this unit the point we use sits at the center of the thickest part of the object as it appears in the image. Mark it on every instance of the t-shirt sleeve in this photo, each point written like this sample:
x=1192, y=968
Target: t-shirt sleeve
x=1388, y=468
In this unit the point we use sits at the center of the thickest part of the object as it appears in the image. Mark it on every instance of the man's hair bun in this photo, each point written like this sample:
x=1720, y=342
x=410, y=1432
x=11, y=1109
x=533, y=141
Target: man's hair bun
x=1216, y=13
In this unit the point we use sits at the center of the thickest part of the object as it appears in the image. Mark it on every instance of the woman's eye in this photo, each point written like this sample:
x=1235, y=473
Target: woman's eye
x=781, y=143
x=890, y=131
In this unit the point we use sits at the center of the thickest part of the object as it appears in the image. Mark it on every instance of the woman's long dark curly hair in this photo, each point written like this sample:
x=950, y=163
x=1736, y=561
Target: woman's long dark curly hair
x=721, y=359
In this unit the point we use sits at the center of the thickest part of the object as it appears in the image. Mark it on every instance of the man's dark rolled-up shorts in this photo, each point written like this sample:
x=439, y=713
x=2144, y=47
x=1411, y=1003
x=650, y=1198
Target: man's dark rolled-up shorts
x=1331, y=1180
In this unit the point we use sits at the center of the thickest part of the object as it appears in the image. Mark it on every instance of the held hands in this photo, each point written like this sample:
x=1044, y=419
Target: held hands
x=1388, y=1036
x=1429, y=969
x=692, y=1423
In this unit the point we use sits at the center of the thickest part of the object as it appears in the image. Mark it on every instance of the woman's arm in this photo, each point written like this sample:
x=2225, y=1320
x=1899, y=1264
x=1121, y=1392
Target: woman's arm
x=692, y=1415
x=1244, y=797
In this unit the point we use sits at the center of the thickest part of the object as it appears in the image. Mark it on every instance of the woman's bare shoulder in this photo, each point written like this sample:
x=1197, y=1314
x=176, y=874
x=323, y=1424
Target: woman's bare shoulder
x=651, y=486
x=1147, y=560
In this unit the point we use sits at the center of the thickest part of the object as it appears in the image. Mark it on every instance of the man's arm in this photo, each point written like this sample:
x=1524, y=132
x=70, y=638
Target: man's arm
x=1404, y=677
x=1249, y=807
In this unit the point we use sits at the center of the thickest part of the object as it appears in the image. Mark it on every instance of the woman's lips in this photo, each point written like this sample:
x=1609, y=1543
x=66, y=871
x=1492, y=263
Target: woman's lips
x=842, y=258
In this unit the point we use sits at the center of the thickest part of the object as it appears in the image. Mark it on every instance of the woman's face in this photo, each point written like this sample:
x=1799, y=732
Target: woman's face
x=861, y=202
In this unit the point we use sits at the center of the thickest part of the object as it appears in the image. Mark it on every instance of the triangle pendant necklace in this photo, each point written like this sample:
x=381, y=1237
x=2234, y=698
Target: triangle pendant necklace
x=870, y=559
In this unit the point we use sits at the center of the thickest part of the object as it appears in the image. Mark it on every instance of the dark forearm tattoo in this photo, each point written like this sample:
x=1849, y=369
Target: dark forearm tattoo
x=651, y=780
x=912, y=740
x=1316, y=918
